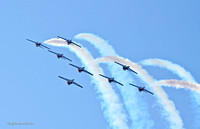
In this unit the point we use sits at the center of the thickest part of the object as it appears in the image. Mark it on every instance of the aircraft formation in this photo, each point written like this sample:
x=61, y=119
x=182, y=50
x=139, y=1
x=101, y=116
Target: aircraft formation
x=82, y=69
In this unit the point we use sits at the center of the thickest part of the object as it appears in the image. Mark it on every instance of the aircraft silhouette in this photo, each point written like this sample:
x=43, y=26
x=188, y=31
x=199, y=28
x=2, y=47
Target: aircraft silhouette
x=37, y=44
x=69, y=41
x=111, y=80
x=59, y=55
x=69, y=82
x=140, y=88
x=125, y=67
x=81, y=69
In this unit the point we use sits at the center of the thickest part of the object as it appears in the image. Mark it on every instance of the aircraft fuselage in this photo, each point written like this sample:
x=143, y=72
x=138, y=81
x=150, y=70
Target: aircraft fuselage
x=59, y=55
x=80, y=69
x=69, y=41
x=125, y=67
x=111, y=79
x=37, y=44
x=69, y=82
x=141, y=89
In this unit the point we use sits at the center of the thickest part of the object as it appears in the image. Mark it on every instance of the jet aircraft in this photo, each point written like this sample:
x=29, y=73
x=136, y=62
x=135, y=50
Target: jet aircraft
x=81, y=69
x=69, y=82
x=69, y=41
x=60, y=55
x=37, y=44
x=125, y=67
x=111, y=79
x=140, y=88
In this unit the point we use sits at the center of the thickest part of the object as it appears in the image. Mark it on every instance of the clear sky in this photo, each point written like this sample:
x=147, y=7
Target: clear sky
x=30, y=90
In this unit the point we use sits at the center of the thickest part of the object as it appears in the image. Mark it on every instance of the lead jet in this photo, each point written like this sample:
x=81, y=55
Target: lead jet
x=140, y=88
x=111, y=79
x=37, y=44
x=81, y=69
x=69, y=82
x=125, y=67
x=69, y=41
x=60, y=55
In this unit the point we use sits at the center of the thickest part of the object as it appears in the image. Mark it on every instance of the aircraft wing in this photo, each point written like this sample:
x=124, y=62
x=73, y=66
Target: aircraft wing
x=44, y=46
x=134, y=85
x=77, y=84
x=67, y=41
x=87, y=72
x=62, y=38
x=31, y=40
x=118, y=82
x=148, y=91
x=52, y=52
x=76, y=44
x=132, y=71
x=74, y=66
x=104, y=76
x=119, y=63
x=63, y=78
x=66, y=58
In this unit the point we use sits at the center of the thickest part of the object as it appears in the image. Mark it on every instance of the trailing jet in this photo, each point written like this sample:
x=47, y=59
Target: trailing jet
x=69, y=41
x=37, y=44
x=69, y=82
x=111, y=79
x=60, y=55
x=125, y=67
x=141, y=88
x=81, y=69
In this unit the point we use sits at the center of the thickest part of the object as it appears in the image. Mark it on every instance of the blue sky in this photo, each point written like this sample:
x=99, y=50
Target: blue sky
x=30, y=90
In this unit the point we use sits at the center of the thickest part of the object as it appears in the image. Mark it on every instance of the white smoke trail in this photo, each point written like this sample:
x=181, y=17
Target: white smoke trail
x=170, y=111
x=135, y=106
x=110, y=102
x=176, y=69
x=182, y=73
x=180, y=84
x=105, y=49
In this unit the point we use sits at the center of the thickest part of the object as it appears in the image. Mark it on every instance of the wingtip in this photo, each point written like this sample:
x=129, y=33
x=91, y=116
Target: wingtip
x=78, y=45
x=132, y=84
x=100, y=75
x=90, y=74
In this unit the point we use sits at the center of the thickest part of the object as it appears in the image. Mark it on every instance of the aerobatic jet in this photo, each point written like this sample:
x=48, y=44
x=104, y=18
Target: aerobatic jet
x=125, y=67
x=111, y=79
x=60, y=55
x=37, y=44
x=69, y=41
x=140, y=88
x=69, y=82
x=81, y=69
